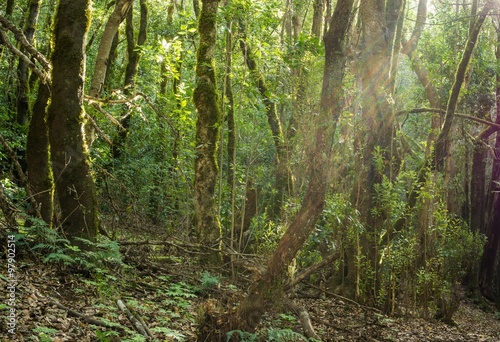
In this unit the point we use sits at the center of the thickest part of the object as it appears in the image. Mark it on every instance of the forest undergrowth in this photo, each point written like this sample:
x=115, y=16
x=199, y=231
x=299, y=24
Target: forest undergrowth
x=160, y=291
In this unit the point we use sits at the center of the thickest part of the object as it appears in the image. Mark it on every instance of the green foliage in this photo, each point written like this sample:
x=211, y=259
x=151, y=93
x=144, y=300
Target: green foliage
x=105, y=336
x=44, y=333
x=271, y=334
x=284, y=335
x=208, y=282
x=244, y=336
x=171, y=334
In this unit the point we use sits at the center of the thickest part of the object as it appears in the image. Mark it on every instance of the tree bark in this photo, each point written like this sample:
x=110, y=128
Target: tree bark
x=69, y=154
x=37, y=157
x=206, y=100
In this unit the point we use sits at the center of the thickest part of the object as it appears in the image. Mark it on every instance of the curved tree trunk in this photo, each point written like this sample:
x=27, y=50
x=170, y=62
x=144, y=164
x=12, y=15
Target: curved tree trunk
x=442, y=144
x=268, y=290
x=206, y=100
x=70, y=159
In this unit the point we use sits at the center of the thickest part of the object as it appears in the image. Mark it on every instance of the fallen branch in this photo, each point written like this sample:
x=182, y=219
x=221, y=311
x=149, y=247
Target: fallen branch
x=345, y=299
x=135, y=322
x=87, y=319
x=303, y=318
x=314, y=268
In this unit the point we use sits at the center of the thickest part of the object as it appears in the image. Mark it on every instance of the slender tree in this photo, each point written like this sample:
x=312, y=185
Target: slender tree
x=99, y=73
x=134, y=51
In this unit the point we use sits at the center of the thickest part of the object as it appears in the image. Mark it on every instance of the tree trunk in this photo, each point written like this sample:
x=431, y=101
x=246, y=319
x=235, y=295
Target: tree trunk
x=228, y=91
x=283, y=174
x=134, y=56
x=317, y=22
x=206, y=100
x=101, y=61
x=441, y=150
x=37, y=157
x=268, y=290
x=70, y=159
x=376, y=132
x=22, y=67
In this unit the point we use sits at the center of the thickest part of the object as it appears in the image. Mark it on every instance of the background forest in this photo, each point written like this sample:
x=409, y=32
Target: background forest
x=352, y=145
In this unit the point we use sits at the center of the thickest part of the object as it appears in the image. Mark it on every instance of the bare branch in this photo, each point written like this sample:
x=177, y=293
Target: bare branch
x=21, y=38
x=44, y=77
x=442, y=111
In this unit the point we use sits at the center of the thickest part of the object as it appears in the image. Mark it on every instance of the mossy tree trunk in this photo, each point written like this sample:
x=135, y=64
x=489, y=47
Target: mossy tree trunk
x=37, y=156
x=69, y=154
x=267, y=292
x=206, y=100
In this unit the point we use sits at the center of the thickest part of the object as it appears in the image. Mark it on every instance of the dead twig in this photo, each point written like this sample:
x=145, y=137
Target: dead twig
x=87, y=319
x=133, y=319
x=304, y=319
x=344, y=298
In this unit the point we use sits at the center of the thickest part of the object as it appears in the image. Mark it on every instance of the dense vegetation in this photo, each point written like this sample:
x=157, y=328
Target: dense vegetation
x=350, y=145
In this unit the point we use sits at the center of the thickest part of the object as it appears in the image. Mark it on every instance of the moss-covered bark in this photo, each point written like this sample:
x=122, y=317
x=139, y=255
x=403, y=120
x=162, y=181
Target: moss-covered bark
x=69, y=155
x=206, y=100
x=37, y=157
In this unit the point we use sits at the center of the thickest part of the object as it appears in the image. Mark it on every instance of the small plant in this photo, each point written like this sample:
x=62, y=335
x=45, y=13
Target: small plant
x=44, y=333
x=208, y=282
x=244, y=336
x=283, y=335
x=172, y=335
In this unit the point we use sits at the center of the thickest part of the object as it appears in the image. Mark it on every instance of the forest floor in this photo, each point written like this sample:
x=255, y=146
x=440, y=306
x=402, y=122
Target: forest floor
x=56, y=303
